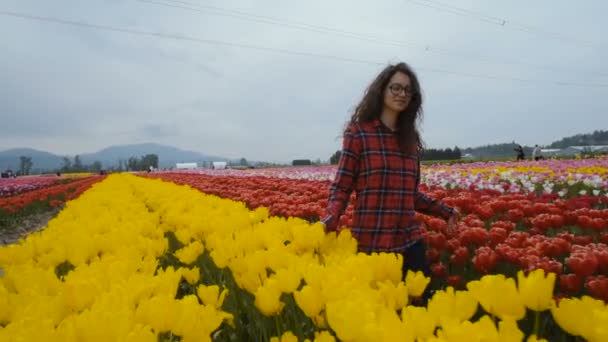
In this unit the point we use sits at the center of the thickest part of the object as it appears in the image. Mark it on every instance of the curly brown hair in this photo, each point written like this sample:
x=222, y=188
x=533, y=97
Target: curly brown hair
x=371, y=105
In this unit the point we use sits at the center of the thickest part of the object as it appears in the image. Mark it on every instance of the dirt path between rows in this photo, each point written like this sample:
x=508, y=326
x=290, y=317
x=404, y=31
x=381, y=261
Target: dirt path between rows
x=28, y=225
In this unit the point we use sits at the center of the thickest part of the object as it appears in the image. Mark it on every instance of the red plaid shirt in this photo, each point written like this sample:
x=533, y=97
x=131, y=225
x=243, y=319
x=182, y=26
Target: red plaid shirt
x=385, y=181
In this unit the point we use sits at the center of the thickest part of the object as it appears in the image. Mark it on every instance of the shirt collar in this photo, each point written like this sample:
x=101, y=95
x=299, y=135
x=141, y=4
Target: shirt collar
x=377, y=123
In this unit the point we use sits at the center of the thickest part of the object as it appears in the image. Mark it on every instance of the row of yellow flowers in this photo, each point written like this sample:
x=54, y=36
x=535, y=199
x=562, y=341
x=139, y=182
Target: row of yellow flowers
x=133, y=259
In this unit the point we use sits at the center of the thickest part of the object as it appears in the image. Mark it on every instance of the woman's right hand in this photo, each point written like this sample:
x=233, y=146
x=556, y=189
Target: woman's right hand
x=453, y=221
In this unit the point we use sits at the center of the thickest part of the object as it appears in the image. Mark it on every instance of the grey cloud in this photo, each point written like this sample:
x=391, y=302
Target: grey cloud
x=64, y=83
x=158, y=131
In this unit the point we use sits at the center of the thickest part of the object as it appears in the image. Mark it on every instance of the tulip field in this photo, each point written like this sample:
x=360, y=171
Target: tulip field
x=239, y=255
x=22, y=197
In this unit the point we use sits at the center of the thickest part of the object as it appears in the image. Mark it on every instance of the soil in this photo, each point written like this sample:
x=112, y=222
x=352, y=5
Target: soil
x=27, y=225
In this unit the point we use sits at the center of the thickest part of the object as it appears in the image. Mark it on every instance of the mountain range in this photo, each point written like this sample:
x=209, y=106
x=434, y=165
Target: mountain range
x=168, y=156
x=109, y=157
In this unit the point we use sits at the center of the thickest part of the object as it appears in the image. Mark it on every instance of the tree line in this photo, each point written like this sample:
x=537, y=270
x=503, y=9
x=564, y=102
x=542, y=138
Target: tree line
x=73, y=165
x=427, y=154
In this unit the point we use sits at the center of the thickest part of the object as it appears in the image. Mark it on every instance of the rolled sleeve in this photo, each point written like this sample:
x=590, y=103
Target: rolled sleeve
x=346, y=177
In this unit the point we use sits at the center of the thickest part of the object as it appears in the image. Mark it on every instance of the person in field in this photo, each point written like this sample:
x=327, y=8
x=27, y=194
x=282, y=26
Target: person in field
x=380, y=162
x=520, y=152
x=536, y=153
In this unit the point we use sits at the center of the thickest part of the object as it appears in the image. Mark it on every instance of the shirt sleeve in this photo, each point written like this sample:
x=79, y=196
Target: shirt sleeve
x=346, y=177
x=427, y=205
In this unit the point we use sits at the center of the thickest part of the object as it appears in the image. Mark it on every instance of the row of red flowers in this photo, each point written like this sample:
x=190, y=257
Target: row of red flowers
x=15, y=186
x=499, y=233
x=55, y=195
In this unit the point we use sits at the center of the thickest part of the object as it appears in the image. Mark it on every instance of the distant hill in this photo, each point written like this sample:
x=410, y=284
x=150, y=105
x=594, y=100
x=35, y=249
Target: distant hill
x=9, y=159
x=495, y=150
x=595, y=138
x=506, y=149
x=109, y=157
x=167, y=155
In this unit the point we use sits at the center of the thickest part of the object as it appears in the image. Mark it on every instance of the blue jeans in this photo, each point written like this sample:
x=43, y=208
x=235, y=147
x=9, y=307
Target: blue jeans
x=415, y=259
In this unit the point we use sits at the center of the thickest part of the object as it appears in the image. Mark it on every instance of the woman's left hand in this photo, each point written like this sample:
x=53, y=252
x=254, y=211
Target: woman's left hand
x=453, y=221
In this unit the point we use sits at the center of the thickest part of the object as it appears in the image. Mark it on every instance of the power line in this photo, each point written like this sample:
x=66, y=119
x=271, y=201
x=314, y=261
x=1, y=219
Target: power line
x=219, y=11
x=508, y=24
x=271, y=49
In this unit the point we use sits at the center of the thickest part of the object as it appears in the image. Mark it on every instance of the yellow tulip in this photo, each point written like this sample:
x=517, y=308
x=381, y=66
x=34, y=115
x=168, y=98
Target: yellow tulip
x=324, y=336
x=394, y=297
x=288, y=336
x=190, y=253
x=416, y=283
x=268, y=298
x=536, y=290
x=210, y=295
x=568, y=313
x=498, y=296
x=192, y=275
x=420, y=320
x=310, y=300
x=508, y=330
x=459, y=305
x=288, y=280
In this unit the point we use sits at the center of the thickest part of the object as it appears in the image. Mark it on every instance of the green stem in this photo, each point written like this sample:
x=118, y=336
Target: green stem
x=276, y=322
x=537, y=324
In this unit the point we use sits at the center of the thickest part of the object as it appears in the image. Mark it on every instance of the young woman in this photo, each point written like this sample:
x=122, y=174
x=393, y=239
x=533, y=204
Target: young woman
x=380, y=162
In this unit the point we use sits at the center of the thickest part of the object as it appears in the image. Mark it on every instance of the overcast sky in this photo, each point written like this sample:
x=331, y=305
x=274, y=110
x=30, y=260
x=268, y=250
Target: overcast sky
x=70, y=90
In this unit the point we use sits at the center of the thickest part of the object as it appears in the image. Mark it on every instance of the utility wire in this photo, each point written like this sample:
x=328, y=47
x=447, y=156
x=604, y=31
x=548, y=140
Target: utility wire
x=219, y=11
x=271, y=49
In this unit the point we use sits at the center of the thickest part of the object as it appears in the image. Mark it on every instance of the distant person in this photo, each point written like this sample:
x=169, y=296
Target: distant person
x=520, y=152
x=380, y=161
x=536, y=153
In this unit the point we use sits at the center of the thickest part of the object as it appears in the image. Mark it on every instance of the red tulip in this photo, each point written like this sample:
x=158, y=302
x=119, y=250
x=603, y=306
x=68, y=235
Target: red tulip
x=438, y=225
x=436, y=240
x=485, y=260
x=508, y=253
x=570, y=283
x=497, y=235
x=453, y=244
x=439, y=270
x=455, y=281
x=506, y=225
x=582, y=264
x=602, y=259
x=459, y=257
x=570, y=218
x=582, y=240
x=515, y=215
x=598, y=287
x=432, y=255
x=548, y=265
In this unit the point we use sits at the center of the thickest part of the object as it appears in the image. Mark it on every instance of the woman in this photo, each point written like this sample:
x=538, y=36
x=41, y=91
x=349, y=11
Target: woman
x=380, y=161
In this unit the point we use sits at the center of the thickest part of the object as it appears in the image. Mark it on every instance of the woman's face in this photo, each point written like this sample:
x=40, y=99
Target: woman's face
x=398, y=92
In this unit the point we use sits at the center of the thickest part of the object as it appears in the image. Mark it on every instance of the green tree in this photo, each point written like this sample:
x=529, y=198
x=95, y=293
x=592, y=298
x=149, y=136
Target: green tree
x=67, y=165
x=77, y=166
x=133, y=164
x=147, y=161
x=335, y=158
x=96, y=166
x=25, y=165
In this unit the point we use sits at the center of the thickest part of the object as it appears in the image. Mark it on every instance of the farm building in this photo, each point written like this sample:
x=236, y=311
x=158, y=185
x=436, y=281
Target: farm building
x=575, y=150
x=186, y=166
x=218, y=165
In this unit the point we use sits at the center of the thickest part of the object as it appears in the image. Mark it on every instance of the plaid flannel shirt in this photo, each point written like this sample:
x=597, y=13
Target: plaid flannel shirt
x=385, y=181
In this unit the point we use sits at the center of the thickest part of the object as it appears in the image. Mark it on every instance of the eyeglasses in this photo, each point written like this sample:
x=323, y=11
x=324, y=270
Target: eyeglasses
x=396, y=89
